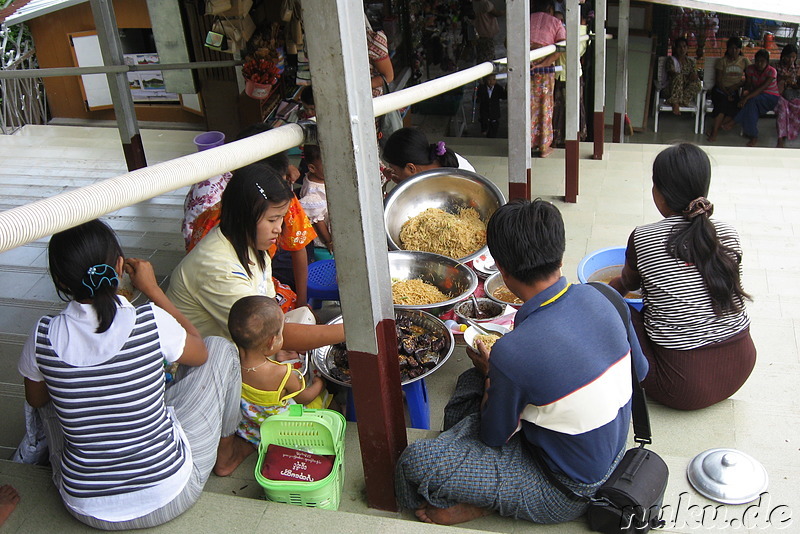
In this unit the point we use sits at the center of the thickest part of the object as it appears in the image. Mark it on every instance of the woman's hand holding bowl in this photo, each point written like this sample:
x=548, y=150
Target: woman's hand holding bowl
x=142, y=276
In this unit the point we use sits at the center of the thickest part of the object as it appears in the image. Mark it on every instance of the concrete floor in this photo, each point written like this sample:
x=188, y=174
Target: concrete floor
x=757, y=190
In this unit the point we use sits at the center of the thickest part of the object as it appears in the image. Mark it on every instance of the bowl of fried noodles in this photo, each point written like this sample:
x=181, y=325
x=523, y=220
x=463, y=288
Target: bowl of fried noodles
x=428, y=281
x=443, y=211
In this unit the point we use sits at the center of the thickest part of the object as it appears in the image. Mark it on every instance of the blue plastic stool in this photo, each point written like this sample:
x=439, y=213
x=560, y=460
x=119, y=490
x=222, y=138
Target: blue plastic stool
x=419, y=411
x=322, y=284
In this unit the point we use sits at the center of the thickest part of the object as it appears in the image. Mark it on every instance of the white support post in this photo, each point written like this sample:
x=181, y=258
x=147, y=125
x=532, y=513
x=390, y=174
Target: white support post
x=111, y=49
x=337, y=48
x=572, y=102
x=518, y=25
x=599, y=125
x=621, y=95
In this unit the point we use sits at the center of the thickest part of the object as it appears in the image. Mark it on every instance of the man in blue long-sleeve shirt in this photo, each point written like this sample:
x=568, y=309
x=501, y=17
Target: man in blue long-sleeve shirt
x=559, y=383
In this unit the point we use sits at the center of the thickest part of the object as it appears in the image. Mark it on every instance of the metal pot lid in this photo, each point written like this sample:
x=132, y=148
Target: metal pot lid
x=727, y=476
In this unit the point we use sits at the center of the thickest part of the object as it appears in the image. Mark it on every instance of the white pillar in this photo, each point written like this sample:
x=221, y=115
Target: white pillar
x=337, y=51
x=518, y=31
x=621, y=95
x=599, y=125
x=572, y=102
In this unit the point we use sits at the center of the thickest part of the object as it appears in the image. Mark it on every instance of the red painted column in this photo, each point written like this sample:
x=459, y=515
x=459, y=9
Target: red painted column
x=134, y=153
x=616, y=135
x=520, y=189
x=599, y=134
x=572, y=170
x=381, y=421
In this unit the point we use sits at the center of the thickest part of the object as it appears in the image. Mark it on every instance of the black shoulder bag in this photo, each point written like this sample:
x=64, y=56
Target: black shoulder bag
x=630, y=500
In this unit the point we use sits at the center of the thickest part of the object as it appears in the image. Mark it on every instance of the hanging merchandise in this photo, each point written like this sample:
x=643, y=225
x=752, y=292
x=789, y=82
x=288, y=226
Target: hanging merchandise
x=216, y=39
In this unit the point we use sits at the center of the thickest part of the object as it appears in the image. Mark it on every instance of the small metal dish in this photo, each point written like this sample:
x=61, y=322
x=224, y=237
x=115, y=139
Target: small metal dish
x=492, y=284
x=490, y=309
x=727, y=476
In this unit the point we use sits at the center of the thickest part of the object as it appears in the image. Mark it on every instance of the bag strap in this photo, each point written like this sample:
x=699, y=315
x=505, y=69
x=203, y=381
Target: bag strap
x=641, y=417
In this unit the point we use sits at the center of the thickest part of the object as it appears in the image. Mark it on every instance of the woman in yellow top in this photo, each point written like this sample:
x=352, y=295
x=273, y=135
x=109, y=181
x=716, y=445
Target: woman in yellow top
x=231, y=262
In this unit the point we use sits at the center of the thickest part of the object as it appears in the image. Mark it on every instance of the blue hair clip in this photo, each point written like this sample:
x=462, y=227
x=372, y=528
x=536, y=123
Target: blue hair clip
x=97, y=274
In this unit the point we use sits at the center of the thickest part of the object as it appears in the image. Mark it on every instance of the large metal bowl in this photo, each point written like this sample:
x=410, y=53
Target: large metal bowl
x=450, y=190
x=453, y=278
x=492, y=284
x=323, y=356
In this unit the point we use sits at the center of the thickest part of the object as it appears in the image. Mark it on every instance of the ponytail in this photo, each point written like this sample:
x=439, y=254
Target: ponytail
x=81, y=263
x=682, y=174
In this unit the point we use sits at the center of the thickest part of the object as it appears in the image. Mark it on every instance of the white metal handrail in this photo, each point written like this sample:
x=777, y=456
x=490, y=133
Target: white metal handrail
x=23, y=224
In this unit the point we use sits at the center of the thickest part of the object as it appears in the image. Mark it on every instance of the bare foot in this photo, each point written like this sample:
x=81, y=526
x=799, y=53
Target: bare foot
x=752, y=142
x=546, y=152
x=711, y=136
x=460, y=513
x=231, y=452
x=676, y=109
x=8, y=501
x=728, y=124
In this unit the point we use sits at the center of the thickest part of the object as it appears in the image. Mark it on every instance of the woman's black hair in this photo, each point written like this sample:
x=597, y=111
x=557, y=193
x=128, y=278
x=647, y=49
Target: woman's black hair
x=787, y=50
x=82, y=261
x=735, y=41
x=682, y=173
x=679, y=40
x=526, y=238
x=542, y=6
x=307, y=96
x=250, y=192
x=311, y=153
x=762, y=54
x=409, y=145
x=279, y=161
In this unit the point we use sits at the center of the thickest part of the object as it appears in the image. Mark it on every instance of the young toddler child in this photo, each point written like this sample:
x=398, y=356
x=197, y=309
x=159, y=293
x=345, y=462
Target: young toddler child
x=268, y=386
x=313, y=197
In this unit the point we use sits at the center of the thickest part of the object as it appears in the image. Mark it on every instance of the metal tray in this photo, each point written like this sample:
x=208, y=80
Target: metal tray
x=323, y=356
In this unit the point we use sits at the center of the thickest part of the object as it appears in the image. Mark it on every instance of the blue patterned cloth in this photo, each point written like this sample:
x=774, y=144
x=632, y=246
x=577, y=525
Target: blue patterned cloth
x=457, y=467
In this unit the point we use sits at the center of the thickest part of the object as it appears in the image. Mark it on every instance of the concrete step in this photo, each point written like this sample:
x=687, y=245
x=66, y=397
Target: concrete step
x=41, y=511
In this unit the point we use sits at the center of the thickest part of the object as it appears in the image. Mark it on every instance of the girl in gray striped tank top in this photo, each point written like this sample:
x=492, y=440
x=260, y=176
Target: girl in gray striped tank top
x=122, y=452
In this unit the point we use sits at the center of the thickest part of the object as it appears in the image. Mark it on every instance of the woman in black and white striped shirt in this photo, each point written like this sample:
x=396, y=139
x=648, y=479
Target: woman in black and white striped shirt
x=694, y=328
x=125, y=452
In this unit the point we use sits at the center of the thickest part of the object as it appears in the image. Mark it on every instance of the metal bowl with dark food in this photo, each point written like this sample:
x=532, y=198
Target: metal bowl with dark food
x=497, y=291
x=450, y=190
x=453, y=278
x=424, y=344
x=490, y=310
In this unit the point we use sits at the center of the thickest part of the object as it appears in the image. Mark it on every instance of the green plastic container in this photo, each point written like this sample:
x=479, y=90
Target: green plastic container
x=314, y=431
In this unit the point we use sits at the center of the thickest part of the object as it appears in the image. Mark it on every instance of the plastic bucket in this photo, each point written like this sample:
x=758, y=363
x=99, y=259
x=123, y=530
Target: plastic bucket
x=600, y=260
x=207, y=140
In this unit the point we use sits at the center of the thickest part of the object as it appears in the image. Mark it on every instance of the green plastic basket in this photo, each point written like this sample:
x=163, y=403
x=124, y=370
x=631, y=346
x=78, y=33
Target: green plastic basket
x=314, y=431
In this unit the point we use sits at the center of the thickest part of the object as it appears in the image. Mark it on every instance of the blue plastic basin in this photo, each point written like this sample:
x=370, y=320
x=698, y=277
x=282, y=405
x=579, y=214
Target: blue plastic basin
x=600, y=259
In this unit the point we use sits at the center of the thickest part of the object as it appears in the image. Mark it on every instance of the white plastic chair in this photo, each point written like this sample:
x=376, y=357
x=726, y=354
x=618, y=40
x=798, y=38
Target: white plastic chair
x=660, y=103
x=709, y=79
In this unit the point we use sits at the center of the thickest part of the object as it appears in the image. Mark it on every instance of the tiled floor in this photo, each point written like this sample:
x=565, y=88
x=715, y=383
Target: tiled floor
x=758, y=190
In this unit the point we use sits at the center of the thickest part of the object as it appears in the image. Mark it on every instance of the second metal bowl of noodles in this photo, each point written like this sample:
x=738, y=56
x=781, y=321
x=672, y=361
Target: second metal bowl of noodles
x=451, y=190
x=451, y=277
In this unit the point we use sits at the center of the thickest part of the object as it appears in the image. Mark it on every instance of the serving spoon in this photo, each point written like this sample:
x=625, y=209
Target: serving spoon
x=478, y=312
